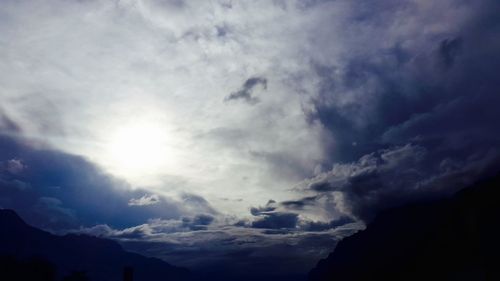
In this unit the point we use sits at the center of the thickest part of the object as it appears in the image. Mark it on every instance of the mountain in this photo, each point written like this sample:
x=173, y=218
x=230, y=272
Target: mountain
x=457, y=238
x=76, y=255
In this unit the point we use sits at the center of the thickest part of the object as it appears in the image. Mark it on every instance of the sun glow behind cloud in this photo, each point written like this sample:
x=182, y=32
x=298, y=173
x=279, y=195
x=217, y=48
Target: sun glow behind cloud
x=137, y=149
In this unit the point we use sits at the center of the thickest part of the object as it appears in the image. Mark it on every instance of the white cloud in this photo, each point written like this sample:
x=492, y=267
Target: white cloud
x=15, y=166
x=144, y=200
x=76, y=72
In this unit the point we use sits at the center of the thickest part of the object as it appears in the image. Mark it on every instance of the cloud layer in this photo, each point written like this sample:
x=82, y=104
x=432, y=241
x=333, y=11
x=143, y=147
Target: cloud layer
x=285, y=124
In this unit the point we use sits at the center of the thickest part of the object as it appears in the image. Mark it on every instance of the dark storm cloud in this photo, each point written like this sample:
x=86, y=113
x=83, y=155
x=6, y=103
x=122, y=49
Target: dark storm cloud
x=269, y=218
x=55, y=190
x=448, y=50
x=283, y=217
x=321, y=187
x=396, y=176
x=276, y=220
x=199, y=222
x=299, y=204
x=405, y=95
x=269, y=207
x=410, y=123
x=245, y=93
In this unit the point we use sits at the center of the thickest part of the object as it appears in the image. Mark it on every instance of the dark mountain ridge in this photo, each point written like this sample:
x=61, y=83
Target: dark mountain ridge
x=451, y=239
x=100, y=259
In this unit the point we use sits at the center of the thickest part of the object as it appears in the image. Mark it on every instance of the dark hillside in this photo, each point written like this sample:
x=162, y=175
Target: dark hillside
x=451, y=239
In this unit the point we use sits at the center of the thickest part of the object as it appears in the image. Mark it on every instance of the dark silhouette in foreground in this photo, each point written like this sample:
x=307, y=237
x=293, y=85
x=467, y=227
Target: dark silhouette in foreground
x=12, y=269
x=451, y=239
x=128, y=273
x=28, y=253
x=77, y=276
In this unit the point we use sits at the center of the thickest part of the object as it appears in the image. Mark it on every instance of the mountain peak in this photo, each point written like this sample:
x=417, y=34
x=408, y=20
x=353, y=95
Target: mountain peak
x=101, y=259
x=9, y=217
x=450, y=239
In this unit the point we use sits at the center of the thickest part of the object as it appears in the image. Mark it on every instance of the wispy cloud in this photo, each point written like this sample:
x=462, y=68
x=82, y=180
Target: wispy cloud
x=245, y=93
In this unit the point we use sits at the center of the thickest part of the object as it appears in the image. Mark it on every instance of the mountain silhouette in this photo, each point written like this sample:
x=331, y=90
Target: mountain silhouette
x=72, y=256
x=451, y=239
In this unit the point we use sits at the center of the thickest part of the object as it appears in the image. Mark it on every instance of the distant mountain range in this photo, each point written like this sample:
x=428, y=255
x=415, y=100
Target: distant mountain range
x=452, y=239
x=457, y=238
x=28, y=253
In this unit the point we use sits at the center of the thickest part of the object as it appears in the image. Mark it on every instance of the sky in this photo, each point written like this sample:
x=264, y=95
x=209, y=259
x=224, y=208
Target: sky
x=242, y=135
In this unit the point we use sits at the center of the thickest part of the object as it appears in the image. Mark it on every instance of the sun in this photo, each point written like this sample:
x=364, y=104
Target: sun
x=137, y=149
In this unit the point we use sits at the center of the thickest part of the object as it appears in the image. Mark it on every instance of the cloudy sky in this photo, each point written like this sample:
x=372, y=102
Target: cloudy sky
x=254, y=134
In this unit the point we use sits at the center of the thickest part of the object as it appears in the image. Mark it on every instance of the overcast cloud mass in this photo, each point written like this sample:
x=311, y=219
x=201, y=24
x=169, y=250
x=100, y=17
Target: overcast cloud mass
x=242, y=134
